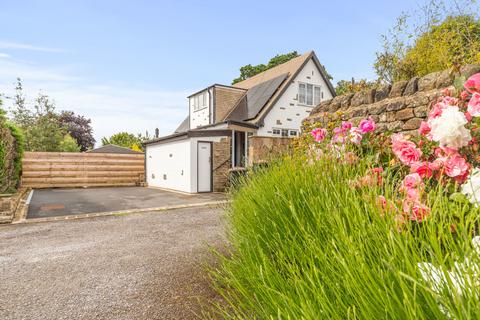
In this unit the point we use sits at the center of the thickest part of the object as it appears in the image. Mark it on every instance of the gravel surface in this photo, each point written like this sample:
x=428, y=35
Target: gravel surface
x=140, y=266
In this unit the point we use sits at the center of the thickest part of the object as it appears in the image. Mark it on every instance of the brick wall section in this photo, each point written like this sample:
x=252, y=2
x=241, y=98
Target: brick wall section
x=400, y=107
x=261, y=149
x=225, y=100
x=221, y=163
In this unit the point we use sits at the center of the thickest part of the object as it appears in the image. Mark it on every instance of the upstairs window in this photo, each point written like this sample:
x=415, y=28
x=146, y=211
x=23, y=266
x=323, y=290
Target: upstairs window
x=199, y=101
x=308, y=94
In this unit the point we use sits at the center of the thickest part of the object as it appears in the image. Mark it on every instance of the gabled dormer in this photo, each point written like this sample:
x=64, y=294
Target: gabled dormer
x=211, y=105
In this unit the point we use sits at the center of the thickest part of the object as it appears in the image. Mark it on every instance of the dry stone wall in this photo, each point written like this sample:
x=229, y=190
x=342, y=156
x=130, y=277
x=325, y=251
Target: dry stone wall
x=398, y=107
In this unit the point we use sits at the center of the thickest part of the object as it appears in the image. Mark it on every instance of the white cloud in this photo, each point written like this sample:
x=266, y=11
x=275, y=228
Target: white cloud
x=4, y=55
x=29, y=47
x=112, y=107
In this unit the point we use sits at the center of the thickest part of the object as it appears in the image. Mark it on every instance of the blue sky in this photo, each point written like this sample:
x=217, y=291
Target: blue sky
x=129, y=65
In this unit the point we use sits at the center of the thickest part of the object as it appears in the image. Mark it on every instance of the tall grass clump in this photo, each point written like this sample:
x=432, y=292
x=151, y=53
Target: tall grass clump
x=306, y=243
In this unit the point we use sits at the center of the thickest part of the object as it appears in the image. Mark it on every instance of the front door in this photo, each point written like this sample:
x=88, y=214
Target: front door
x=204, y=169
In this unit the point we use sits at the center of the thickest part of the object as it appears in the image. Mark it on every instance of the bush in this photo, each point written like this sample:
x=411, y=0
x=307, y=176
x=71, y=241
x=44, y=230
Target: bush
x=11, y=153
x=308, y=245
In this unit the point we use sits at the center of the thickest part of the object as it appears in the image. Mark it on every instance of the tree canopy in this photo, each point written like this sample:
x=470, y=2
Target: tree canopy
x=124, y=139
x=436, y=38
x=79, y=128
x=249, y=71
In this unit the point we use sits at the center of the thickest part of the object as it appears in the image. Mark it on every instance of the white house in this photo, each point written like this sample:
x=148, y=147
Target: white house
x=214, y=137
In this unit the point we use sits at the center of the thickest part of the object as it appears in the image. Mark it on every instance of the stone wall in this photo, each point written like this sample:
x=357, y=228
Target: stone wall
x=261, y=149
x=10, y=203
x=221, y=163
x=399, y=107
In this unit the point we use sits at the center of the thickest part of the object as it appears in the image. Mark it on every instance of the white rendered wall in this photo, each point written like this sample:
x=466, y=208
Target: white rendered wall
x=287, y=109
x=194, y=154
x=200, y=117
x=172, y=160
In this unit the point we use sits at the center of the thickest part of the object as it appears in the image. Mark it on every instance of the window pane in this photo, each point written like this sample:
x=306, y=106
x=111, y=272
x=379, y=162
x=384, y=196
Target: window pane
x=316, y=96
x=309, y=94
x=293, y=133
x=301, y=93
x=197, y=106
x=284, y=133
x=204, y=99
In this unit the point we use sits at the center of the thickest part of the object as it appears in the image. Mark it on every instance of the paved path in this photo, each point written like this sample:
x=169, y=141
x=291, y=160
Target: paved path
x=62, y=202
x=139, y=266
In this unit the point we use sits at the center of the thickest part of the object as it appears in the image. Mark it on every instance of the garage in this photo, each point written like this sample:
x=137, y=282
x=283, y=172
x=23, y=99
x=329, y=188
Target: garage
x=193, y=162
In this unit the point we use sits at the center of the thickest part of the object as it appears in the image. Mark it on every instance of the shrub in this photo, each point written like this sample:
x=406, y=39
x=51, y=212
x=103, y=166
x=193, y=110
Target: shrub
x=307, y=245
x=11, y=152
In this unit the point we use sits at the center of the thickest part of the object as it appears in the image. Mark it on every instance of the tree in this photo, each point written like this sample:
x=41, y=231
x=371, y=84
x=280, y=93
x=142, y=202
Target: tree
x=124, y=139
x=344, y=86
x=438, y=37
x=69, y=144
x=249, y=71
x=79, y=128
x=46, y=134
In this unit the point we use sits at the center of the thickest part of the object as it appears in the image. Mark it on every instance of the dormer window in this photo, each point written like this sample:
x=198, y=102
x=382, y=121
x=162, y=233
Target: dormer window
x=308, y=94
x=199, y=101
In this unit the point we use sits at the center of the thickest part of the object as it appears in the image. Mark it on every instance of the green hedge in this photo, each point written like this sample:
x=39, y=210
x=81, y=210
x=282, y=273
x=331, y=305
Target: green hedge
x=11, y=153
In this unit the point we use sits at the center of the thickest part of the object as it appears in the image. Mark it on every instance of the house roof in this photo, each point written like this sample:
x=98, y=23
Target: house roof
x=256, y=98
x=113, y=148
x=273, y=81
x=184, y=126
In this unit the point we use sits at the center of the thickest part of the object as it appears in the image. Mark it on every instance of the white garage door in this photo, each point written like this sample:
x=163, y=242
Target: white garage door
x=168, y=165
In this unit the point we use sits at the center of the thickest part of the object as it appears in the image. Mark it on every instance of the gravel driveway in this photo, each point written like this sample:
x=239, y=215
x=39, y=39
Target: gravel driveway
x=140, y=266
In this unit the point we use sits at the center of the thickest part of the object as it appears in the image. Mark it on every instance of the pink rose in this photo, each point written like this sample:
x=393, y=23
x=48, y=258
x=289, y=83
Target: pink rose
x=406, y=151
x=464, y=95
x=424, y=128
x=419, y=212
x=355, y=135
x=367, y=125
x=456, y=166
x=319, y=134
x=474, y=105
x=413, y=194
x=472, y=85
x=411, y=181
x=346, y=125
x=424, y=169
x=436, y=111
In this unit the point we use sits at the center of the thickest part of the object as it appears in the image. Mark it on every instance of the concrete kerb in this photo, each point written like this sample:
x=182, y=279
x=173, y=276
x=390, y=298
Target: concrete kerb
x=121, y=212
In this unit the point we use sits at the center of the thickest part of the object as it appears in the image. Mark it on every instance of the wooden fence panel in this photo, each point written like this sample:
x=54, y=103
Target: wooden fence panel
x=69, y=169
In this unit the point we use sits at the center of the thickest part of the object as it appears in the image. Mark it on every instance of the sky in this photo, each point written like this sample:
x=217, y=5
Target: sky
x=129, y=65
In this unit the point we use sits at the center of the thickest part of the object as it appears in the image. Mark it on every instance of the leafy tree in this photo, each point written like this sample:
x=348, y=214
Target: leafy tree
x=344, y=86
x=46, y=134
x=438, y=37
x=249, y=71
x=69, y=144
x=124, y=139
x=79, y=128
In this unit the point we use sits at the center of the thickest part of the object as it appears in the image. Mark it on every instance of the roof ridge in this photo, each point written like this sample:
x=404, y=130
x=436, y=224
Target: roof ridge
x=304, y=56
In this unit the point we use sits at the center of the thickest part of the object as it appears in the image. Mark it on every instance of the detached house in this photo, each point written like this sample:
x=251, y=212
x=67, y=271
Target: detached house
x=224, y=121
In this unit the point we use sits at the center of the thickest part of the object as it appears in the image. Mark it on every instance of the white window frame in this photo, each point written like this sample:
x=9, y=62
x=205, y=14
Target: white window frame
x=303, y=99
x=279, y=131
x=200, y=101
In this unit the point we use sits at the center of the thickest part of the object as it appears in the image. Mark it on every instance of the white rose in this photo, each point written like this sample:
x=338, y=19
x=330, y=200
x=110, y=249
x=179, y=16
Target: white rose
x=448, y=129
x=471, y=188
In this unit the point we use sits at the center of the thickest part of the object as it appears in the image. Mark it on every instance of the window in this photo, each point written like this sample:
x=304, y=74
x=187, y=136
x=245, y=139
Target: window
x=293, y=133
x=317, y=95
x=199, y=101
x=309, y=95
x=276, y=132
x=284, y=132
x=301, y=93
